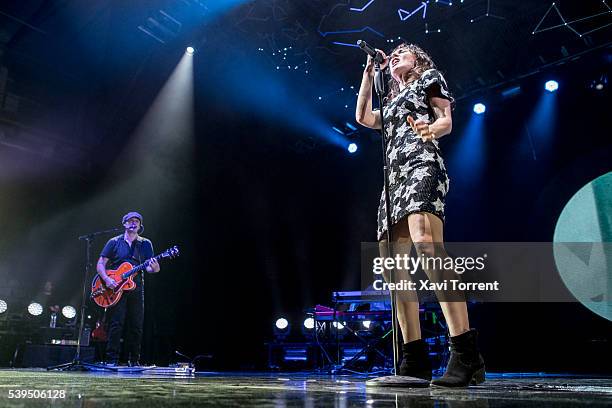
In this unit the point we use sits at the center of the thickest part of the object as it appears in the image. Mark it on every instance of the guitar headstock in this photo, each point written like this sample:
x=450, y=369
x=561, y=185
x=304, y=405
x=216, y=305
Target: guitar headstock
x=170, y=252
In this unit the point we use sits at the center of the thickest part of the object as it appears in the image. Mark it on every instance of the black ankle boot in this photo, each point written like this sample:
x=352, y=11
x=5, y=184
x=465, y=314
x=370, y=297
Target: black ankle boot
x=466, y=365
x=415, y=360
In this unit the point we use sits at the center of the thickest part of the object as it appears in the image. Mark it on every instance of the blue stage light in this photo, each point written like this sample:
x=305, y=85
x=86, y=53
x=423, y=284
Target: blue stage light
x=190, y=50
x=351, y=126
x=468, y=156
x=352, y=148
x=551, y=86
x=479, y=108
x=272, y=89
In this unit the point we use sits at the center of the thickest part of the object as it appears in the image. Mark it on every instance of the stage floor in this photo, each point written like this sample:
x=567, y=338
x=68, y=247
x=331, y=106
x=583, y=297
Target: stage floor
x=292, y=390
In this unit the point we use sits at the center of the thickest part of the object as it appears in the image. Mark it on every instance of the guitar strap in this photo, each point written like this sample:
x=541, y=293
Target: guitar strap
x=136, y=255
x=136, y=251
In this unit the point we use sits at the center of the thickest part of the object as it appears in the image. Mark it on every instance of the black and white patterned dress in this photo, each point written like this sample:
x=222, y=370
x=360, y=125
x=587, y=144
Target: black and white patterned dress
x=417, y=176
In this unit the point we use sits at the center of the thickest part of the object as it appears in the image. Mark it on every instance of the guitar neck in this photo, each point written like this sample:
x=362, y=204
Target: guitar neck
x=140, y=267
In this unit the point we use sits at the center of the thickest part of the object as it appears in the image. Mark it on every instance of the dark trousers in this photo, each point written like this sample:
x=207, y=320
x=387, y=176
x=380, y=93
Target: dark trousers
x=129, y=311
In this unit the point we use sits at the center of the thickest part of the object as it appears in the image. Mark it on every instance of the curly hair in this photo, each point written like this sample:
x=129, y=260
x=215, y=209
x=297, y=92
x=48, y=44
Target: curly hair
x=423, y=63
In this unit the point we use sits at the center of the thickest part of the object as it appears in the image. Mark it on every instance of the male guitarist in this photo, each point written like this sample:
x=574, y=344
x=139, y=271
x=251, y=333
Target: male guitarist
x=128, y=247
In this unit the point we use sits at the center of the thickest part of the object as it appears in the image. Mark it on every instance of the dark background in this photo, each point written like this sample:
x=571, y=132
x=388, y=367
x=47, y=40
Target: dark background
x=263, y=199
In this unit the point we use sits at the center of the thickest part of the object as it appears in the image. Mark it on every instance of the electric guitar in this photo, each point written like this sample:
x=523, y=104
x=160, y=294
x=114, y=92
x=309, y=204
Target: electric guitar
x=124, y=276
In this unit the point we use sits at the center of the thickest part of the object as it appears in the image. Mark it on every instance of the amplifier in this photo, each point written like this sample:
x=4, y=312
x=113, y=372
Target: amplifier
x=63, y=336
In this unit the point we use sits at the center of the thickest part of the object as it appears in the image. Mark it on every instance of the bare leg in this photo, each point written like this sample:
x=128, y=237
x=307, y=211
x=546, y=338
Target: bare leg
x=427, y=229
x=407, y=304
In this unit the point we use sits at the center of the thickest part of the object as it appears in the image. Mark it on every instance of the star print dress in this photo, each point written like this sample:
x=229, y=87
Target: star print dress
x=417, y=176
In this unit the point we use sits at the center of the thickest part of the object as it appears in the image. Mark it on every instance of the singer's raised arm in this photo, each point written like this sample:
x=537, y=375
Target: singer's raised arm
x=363, y=111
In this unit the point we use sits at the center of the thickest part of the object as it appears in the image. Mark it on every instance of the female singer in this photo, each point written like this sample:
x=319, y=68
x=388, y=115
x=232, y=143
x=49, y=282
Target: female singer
x=417, y=112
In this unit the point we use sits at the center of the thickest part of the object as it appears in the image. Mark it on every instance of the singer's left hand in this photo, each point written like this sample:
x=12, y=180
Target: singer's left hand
x=421, y=127
x=153, y=266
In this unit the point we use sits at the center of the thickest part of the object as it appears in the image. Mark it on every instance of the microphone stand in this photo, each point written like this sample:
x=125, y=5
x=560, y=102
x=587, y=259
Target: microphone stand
x=394, y=380
x=379, y=85
x=77, y=364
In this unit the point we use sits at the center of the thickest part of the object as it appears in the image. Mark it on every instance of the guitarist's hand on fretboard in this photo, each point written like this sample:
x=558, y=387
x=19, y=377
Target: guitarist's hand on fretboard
x=152, y=265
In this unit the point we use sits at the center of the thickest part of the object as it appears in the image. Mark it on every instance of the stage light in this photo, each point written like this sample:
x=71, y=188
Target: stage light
x=35, y=309
x=541, y=124
x=190, y=50
x=479, y=108
x=281, y=328
x=69, y=312
x=468, y=156
x=282, y=323
x=3, y=306
x=600, y=83
x=352, y=148
x=551, y=86
x=350, y=125
x=366, y=324
x=295, y=354
x=309, y=323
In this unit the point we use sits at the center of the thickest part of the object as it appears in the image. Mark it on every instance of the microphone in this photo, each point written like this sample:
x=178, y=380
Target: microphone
x=370, y=51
